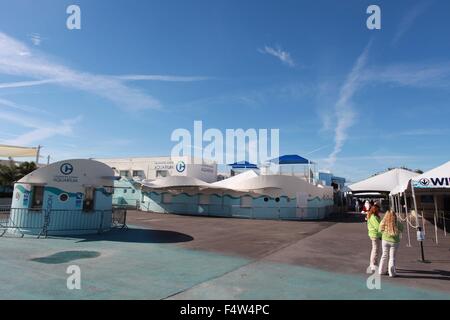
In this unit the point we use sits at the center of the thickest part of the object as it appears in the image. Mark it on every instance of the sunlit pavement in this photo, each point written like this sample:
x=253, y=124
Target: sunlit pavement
x=179, y=257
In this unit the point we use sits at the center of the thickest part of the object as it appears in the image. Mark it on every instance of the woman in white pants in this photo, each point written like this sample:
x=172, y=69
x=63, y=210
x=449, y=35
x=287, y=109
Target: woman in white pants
x=373, y=224
x=390, y=229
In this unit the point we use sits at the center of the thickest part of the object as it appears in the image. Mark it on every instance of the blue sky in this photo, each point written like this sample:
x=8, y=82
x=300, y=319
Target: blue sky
x=355, y=100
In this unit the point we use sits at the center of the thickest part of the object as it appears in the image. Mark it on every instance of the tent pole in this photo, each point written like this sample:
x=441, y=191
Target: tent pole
x=407, y=222
x=417, y=222
x=435, y=221
x=423, y=223
x=398, y=204
x=415, y=204
x=443, y=220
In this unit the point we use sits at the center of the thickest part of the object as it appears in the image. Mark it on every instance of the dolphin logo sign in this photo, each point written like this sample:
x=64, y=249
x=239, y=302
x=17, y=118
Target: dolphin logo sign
x=181, y=166
x=66, y=168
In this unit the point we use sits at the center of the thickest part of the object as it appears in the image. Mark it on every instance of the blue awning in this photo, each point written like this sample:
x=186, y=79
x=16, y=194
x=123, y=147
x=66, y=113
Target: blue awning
x=290, y=159
x=243, y=165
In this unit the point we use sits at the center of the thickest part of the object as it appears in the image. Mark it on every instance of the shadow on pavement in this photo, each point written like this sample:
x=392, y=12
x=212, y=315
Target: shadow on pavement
x=136, y=236
x=423, y=274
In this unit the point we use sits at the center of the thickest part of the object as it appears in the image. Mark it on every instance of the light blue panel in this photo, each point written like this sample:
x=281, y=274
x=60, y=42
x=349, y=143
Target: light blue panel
x=266, y=213
x=103, y=200
x=21, y=197
x=239, y=212
x=66, y=217
x=288, y=213
x=126, y=193
x=152, y=202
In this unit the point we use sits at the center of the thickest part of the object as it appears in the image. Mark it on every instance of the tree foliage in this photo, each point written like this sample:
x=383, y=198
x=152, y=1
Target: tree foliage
x=12, y=172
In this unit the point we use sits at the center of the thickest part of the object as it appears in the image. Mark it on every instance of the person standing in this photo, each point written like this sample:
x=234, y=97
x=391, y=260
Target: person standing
x=373, y=224
x=390, y=229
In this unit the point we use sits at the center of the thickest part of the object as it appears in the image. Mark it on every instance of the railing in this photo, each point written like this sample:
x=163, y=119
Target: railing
x=42, y=222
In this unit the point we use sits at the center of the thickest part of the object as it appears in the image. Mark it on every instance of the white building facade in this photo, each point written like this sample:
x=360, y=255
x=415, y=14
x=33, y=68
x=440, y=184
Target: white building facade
x=151, y=168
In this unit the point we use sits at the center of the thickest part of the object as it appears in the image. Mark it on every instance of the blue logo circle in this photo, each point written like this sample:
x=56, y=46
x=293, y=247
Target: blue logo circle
x=66, y=168
x=181, y=166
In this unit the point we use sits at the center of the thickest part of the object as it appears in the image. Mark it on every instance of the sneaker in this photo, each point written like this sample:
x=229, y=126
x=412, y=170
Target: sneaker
x=373, y=268
x=392, y=276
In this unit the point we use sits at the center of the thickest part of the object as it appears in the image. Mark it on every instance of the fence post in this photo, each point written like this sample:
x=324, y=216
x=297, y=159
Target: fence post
x=44, y=230
x=102, y=214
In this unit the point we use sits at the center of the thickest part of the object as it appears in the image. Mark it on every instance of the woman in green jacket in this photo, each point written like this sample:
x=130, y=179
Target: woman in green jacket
x=373, y=223
x=390, y=229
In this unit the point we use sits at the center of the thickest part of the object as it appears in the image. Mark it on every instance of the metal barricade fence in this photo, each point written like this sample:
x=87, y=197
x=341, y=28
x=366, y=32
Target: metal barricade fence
x=42, y=222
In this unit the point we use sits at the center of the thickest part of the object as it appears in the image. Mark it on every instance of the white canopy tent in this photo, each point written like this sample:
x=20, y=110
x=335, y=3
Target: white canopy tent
x=383, y=182
x=434, y=182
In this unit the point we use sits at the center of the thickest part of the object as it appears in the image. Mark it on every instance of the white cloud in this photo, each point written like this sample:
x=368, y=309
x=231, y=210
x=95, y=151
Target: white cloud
x=283, y=56
x=13, y=105
x=155, y=77
x=408, y=19
x=411, y=75
x=19, y=84
x=40, y=129
x=17, y=59
x=343, y=108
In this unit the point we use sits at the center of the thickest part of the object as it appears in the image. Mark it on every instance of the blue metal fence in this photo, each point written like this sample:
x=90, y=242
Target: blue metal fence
x=42, y=222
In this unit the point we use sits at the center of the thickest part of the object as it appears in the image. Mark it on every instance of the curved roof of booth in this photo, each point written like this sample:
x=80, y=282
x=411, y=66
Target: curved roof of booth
x=71, y=174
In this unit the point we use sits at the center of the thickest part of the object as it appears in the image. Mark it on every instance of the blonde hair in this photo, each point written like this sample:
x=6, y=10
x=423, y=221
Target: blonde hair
x=389, y=223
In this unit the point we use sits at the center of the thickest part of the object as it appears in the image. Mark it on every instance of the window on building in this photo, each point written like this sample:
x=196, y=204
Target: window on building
x=124, y=173
x=37, y=197
x=63, y=197
x=138, y=174
x=162, y=173
x=88, y=202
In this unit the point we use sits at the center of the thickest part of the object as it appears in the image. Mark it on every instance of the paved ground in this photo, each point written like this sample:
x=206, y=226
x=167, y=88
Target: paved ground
x=178, y=257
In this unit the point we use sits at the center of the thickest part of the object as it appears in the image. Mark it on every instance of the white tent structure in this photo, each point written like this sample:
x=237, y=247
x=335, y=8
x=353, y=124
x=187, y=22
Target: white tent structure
x=433, y=184
x=383, y=182
x=247, y=194
x=234, y=181
x=175, y=182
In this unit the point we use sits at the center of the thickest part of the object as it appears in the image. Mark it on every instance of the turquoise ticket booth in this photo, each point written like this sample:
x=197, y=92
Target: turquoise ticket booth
x=63, y=198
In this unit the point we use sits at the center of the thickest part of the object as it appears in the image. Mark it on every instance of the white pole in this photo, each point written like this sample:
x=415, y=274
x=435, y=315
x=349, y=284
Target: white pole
x=38, y=154
x=415, y=203
x=423, y=224
x=436, y=212
x=407, y=222
x=445, y=225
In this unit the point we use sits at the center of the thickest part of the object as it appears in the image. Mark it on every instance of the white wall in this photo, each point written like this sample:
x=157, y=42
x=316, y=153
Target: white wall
x=150, y=166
